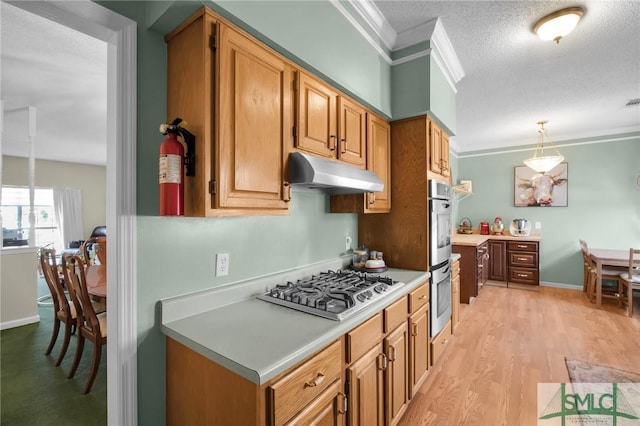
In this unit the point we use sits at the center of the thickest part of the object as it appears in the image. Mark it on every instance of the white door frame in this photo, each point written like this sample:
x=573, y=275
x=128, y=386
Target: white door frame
x=120, y=34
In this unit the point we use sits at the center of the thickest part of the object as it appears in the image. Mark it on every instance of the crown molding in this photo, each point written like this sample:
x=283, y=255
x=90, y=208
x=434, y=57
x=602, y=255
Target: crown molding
x=433, y=31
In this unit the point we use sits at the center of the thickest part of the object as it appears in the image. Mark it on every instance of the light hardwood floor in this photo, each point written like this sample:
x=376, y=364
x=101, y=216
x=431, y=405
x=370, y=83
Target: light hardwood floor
x=510, y=340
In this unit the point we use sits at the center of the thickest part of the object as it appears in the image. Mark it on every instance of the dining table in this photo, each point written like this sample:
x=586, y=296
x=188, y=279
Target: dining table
x=96, y=279
x=606, y=257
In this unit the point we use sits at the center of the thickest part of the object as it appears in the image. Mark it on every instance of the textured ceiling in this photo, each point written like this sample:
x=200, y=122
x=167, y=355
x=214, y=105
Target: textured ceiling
x=63, y=74
x=512, y=78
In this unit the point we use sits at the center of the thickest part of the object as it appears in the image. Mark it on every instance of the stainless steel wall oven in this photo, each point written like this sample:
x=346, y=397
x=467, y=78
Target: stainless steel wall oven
x=440, y=254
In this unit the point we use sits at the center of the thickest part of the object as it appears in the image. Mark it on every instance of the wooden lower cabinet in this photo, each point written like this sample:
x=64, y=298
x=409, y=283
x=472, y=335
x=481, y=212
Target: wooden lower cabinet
x=365, y=378
x=498, y=260
x=455, y=294
x=365, y=389
x=419, y=349
x=396, y=395
x=439, y=343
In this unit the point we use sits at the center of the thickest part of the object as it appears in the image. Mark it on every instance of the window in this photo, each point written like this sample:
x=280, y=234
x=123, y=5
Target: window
x=15, y=216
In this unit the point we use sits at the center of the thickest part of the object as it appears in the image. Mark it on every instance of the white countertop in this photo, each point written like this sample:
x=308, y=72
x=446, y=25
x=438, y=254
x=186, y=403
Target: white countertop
x=257, y=339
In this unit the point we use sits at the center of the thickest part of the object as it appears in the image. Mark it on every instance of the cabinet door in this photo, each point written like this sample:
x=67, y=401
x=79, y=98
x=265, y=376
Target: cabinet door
x=254, y=89
x=397, y=373
x=444, y=154
x=317, y=107
x=418, y=349
x=366, y=389
x=498, y=260
x=352, y=143
x=379, y=162
x=455, y=298
x=327, y=409
x=435, y=147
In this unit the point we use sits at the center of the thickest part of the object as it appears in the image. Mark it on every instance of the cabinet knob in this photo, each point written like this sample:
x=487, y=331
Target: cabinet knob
x=315, y=382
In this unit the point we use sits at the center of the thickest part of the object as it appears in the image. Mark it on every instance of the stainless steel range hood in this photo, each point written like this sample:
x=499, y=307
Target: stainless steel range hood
x=331, y=177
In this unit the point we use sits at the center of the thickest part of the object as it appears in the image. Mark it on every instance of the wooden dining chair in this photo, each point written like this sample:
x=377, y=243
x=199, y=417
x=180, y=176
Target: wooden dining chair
x=631, y=279
x=90, y=326
x=608, y=274
x=64, y=311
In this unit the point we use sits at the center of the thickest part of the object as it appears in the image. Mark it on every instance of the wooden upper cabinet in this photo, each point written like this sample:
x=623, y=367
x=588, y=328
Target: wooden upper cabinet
x=435, y=147
x=317, y=127
x=235, y=96
x=329, y=124
x=352, y=142
x=379, y=162
x=254, y=90
x=438, y=150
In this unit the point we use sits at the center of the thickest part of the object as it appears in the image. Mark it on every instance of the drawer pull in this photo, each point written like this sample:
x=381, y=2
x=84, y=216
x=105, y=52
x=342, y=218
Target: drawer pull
x=392, y=355
x=414, y=329
x=423, y=297
x=444, y=342
x=521, y=246
x=523, y=259
x=522, y=275
x=318, y=380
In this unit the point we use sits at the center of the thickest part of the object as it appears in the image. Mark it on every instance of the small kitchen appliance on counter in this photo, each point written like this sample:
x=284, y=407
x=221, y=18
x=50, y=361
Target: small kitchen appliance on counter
x=520, y=228
x=497, y=226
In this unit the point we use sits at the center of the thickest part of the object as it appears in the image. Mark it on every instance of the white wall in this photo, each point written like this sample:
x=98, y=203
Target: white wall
x=19, y=287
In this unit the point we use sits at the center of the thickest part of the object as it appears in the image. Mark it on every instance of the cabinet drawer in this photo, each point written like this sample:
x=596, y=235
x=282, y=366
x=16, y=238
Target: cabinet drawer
x=297, y=389
x=364, y=337
x=523, y=275
x=395, y=314
x=525, y=259
x=523, y=246
x=439, y=343
x=419, y=297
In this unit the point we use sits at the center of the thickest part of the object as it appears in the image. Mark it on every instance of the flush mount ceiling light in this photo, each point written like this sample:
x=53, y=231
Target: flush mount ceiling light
x=539, y=162
x=558, y=24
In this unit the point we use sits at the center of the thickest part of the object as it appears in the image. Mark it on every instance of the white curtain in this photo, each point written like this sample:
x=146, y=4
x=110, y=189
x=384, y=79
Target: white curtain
x=67, y=203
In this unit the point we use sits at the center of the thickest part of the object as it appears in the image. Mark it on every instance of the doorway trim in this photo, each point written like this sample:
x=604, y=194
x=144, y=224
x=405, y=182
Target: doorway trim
x=120, y=35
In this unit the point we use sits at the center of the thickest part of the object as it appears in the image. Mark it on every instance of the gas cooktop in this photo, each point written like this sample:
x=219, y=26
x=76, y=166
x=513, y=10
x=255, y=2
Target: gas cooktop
x=333, y=295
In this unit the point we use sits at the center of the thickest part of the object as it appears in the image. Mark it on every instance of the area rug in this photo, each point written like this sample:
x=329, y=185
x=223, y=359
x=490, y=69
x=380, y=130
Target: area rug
x=586, y=372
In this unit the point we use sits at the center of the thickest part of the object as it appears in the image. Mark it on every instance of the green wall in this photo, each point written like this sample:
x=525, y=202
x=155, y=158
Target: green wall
x=176, y=255
x=603, y=200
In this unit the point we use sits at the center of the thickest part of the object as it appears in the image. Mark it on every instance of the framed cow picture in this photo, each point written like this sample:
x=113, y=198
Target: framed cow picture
x=533, y=189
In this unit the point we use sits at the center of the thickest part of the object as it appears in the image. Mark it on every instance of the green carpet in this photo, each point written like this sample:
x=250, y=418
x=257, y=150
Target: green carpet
x=33, y=391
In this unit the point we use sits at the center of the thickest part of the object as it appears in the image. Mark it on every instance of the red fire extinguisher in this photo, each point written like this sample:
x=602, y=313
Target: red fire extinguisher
x=171, y=167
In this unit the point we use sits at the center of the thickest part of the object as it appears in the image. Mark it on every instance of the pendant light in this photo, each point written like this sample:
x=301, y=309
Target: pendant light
x=539, y=162
x=558, y=24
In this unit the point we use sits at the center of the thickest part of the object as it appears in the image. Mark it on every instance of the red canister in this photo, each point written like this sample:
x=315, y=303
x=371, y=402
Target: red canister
x=484, y=228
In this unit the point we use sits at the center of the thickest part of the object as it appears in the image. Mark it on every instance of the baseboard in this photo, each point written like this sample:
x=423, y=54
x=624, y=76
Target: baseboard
x=561, y=285
x=19, y=322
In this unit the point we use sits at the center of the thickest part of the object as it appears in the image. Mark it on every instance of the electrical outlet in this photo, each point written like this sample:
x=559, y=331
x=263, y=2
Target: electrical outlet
x=347, y=243
x=538, y=225
x=222, y=264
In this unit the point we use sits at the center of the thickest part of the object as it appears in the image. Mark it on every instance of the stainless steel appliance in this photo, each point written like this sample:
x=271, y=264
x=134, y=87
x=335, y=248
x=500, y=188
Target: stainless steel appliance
x=439, y=254
x=440, y=298
x=439, y=223
x=333, y=295
x=520, y=228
